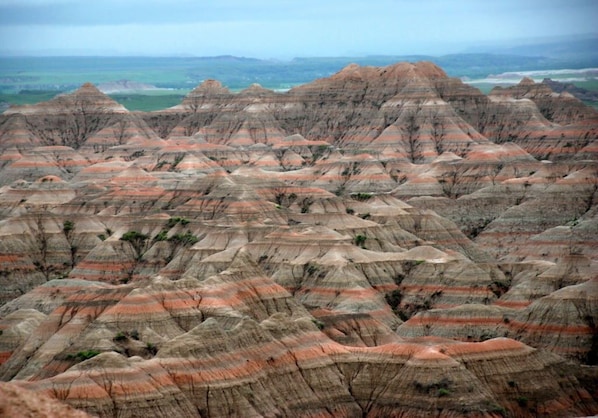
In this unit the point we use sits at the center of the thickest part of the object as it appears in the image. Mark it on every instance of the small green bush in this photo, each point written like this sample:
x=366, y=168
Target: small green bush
x=86, y=354
x=151, y=347
x=318, y=323
x=120, y=336
x=522, y=401
x=172, y=222
x=133, y=236
x=175, y=220
x=161, y=236
x=361, y=196
x=68, y=226
x=186, y=239
x=443, y=392
x=394, y=299
x=360, y=240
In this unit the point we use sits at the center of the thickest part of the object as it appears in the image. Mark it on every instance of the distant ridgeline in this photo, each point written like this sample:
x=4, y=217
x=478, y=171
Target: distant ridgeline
x=67, y=73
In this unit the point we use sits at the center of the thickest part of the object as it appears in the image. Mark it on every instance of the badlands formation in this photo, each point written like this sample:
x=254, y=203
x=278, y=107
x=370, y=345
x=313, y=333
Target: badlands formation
x=382, y=242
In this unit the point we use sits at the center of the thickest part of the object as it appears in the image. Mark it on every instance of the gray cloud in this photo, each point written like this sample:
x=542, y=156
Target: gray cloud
x=284, y=27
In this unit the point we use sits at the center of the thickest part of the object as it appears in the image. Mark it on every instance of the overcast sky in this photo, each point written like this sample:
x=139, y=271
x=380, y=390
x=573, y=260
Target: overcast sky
x=281, y=28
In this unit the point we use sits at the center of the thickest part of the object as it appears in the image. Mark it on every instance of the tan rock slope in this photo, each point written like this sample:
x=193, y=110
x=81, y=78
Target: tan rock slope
x=382, y=242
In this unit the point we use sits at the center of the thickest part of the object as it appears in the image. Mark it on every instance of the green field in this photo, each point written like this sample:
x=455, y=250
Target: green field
x=148, y=102
x=145, y=102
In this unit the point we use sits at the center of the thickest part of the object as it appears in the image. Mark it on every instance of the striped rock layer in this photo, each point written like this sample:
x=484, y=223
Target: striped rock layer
x=381, y=242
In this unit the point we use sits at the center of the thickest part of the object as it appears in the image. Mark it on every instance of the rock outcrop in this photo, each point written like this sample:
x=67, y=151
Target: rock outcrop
x=382, y=242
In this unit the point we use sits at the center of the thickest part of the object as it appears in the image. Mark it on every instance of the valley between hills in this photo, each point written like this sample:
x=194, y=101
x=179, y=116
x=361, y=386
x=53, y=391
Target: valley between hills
x=383, y=242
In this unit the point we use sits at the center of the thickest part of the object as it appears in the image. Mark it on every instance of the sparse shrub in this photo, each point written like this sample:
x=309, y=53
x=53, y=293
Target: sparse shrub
x=443, y=392
x=120, y=336
x=133, y=236
x=135, y=155
x=68, y=226
x=522, y=401
x=187, y=239
x=361, y=196
x=161, y=236
x=86, y=354
x=176, y=162
x=175, y=220
x=102, y=237
x=394, y=299
x=403, y=315
x=350, y=211
x=151, y=347
x=134, y=334
x=498, y=409
x=305, y=204
x=172, y=222
x=318, y=323
x=360, y=240
x=311, y=269
x=137, y=240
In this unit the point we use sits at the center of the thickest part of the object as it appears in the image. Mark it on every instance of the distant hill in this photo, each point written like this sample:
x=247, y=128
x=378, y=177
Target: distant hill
x=66, y=73
x=124, y=86
x=572, y=48
x=581, y=93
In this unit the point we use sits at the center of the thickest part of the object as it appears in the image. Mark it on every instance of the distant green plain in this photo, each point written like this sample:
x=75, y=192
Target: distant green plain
x=26, y=80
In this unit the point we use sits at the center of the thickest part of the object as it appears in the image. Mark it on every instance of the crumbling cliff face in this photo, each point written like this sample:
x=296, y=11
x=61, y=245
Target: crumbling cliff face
x=383, y=242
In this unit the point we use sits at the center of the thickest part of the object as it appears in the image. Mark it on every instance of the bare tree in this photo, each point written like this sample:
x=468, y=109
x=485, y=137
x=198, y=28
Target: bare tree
x=282, y=197
x=494, y=171
x=68, y=228
x=42, y=239
x=193, y=104
x=73, y=128
x=82, y=122
x=438, y=133
x=210, y=207
x=411, y=132
x=452, y=180
x=120, y=131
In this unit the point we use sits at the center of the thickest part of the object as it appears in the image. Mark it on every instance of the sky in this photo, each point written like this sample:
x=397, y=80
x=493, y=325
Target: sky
x=282, y=29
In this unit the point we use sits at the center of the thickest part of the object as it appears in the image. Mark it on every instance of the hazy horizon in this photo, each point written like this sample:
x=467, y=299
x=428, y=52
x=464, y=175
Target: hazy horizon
x=283, y=29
